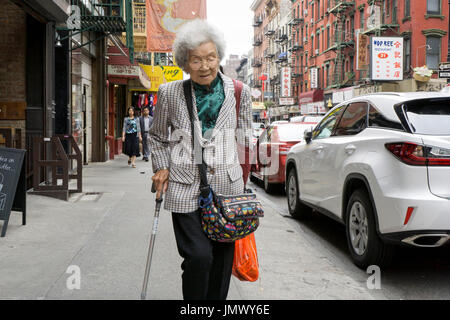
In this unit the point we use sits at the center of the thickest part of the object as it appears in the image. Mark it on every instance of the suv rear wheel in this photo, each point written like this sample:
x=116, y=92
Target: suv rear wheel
x=297, y=209
x=366, y=248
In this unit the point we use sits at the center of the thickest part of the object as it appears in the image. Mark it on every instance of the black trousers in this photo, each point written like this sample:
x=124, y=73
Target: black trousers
x=207, y=264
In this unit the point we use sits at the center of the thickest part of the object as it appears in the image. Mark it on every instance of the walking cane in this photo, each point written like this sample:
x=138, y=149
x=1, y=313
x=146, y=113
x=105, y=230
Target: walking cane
x=152, y=243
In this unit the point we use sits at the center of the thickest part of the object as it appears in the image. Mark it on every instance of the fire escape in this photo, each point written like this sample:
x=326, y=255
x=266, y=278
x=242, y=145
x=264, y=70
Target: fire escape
x=340, y=9
x=383, y=24
x=295, y=47
x=104, y=17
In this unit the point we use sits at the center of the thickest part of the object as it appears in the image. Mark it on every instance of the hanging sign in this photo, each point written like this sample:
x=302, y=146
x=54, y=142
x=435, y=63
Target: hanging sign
x=387, y=58
x=286, y=82
x=314, y=78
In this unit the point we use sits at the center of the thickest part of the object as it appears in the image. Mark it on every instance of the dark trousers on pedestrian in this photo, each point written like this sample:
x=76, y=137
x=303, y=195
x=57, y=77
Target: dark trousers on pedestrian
x=145, y=145
x=207, y=264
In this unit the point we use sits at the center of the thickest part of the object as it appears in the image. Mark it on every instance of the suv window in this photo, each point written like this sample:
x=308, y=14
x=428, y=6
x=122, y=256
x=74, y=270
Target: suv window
x=378, y=120
x=325, y=128
x=353, y=120
x=428, y=116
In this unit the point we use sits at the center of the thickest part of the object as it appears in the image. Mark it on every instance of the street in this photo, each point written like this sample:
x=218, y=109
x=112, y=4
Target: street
x=415, y=273
x=102, y=236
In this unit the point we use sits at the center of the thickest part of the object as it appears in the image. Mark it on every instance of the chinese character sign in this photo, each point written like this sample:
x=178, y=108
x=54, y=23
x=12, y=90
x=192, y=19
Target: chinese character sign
x=313, y=78
x=362, y=47
x=285, y=82
x=387, y=58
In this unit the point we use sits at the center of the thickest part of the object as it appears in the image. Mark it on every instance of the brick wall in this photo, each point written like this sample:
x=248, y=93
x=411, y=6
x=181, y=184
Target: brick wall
x=12, y=52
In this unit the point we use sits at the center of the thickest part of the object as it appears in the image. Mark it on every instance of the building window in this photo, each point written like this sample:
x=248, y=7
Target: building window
x=407, y=54
x=352, y=26
x=394, y=11
x=407, y=8
x=434, y=53
x=433, y=6
x=318, y=41
x=328, y=37
x=361, y=19
x=318, y=10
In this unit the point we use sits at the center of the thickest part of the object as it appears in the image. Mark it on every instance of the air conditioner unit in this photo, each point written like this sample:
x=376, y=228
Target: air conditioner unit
x=312, y=20
x=317, y=51
x=306, y=69
x=305, y=12
x=304, y=39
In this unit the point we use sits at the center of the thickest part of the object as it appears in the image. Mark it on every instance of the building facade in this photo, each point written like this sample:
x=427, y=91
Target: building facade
x=54, y=75
x=322, y=47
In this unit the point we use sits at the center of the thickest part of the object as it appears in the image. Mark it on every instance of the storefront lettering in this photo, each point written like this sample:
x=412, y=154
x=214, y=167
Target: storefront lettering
x=431, y=86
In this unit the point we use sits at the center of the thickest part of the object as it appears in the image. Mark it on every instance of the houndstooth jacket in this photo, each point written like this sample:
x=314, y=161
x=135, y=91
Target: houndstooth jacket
x=171, y=145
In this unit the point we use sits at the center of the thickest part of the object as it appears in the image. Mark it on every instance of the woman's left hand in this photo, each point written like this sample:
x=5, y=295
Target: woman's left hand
x=140, y=139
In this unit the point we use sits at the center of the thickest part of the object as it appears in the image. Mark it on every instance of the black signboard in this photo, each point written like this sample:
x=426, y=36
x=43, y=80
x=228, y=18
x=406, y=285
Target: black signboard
x=12, y=185
x=444, y=74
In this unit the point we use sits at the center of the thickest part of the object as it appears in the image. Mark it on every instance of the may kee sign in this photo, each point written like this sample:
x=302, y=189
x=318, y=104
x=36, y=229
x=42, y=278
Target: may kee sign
x=387, y=58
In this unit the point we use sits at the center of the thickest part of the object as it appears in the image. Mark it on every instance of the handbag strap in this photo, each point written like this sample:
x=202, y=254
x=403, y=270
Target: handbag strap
x=238, y=85
x=204, y=186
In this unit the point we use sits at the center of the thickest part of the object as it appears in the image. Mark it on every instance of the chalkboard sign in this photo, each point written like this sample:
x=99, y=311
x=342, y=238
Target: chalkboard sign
x=12, y=184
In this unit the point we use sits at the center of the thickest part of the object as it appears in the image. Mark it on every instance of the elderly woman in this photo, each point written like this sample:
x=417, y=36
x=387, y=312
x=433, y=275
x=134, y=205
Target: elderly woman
x=198, y=49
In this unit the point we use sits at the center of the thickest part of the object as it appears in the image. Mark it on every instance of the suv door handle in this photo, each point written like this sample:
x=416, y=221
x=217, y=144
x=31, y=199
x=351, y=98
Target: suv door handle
x=318, y=149
x=350, y=149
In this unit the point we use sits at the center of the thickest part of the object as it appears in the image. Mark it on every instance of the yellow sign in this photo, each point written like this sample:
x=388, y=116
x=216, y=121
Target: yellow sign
x=161, y=74
x=258, y=106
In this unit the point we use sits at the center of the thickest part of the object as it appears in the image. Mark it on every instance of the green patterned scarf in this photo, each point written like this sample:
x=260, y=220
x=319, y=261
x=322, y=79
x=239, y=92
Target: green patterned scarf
x=209, y=103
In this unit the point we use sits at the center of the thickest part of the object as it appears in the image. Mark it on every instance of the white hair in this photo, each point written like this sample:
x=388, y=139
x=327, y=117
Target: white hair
x=193, y=34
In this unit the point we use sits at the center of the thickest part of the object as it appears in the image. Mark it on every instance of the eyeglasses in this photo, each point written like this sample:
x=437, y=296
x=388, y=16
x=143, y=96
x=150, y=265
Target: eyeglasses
x=197, y=63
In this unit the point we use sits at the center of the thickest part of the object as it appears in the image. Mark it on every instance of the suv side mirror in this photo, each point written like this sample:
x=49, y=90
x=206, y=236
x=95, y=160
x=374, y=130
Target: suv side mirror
x=308, y=135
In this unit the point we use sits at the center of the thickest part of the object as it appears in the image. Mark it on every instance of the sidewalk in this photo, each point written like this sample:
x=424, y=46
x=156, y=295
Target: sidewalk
x=107, y=235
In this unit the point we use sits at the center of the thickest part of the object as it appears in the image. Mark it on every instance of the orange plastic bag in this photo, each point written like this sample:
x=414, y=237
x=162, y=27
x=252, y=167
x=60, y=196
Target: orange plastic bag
x=245, y=264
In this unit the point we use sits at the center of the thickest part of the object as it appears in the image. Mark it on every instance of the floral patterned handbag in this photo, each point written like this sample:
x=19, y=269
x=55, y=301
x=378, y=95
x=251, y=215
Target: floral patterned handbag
x=225, y=218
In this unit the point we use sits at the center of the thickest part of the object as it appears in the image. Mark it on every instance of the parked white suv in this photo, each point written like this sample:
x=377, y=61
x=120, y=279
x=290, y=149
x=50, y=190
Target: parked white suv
x=380, y=164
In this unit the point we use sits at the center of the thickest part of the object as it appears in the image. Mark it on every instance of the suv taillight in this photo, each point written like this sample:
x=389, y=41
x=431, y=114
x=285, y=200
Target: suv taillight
x=419, y=155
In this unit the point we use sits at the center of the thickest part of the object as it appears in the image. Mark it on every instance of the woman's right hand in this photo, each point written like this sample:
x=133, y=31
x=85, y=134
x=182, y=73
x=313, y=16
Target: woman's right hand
x=123, y=139
x=161, y=181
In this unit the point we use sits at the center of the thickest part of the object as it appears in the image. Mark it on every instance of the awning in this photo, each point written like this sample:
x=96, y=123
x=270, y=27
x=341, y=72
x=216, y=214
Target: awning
x=310, y=96
x=120, y=69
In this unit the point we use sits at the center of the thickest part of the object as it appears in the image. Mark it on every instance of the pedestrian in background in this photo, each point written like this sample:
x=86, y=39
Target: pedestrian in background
x=131, y=135
x=145, y=122
x=198, y=49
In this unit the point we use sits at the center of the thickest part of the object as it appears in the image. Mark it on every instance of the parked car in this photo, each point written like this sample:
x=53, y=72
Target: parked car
x=271, y=150
x=446, y=89
x=258, y=128
x=379, y=164
x=306, y=118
